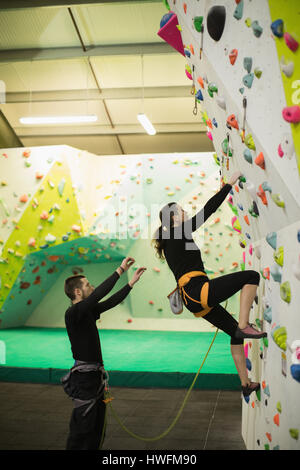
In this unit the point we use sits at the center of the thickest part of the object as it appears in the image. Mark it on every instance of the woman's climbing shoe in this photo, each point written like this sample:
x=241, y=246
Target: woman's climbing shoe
x=252, y=387
x=249, y=332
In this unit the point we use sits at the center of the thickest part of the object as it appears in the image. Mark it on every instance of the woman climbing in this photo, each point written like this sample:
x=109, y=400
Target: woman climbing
x=202, y=296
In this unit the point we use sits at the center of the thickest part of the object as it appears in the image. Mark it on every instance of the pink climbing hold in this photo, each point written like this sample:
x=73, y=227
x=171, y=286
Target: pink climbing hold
x=209, y=135
x=280, y=151
x=170, y=33
x=291, y=42
x=291, y=114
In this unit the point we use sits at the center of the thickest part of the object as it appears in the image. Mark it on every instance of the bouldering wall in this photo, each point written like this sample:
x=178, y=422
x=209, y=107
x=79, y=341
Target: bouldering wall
x=242, y=60
x=64, y=211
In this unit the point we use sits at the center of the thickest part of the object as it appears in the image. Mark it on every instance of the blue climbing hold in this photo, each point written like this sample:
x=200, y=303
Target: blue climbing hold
x=199, y=95
x=268, y=314
x=298, y=236
x=247, y=398
x=238, y=12
x=277, y=28
x=248, y=155
x=248, y=235
x=248, y=364
x=275, y=272
x=187, y=53
x=215, y=122
x=295, y=371
x=166, y=18
x=240, y=207
x=272, y=239
x=248, y=80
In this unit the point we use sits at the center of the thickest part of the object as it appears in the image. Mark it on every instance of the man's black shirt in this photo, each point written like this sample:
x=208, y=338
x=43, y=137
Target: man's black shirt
x=81, y=318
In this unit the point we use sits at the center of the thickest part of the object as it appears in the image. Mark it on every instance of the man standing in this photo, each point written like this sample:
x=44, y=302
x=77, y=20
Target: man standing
x=87, y=419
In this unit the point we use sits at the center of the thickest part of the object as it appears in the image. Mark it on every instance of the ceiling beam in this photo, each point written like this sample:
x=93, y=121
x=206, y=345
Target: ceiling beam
x=94, y=95
x=63, y=53
x=21, y=4
x=39, y=131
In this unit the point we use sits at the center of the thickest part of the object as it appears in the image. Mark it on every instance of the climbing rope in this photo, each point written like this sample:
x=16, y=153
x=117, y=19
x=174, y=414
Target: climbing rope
x=108, y=400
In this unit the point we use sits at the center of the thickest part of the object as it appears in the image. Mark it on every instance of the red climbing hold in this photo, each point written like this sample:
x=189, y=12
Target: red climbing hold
x=266, y=273
x=24, y=285
x=291, y=42
x=269, y=436
x=233, y=56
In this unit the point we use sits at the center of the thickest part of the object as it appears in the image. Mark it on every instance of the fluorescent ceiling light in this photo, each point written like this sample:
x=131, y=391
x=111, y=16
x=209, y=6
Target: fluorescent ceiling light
x=58, y=119
x=146, y=124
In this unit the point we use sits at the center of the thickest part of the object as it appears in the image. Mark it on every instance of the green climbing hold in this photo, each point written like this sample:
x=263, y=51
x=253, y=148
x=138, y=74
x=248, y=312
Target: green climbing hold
x=216, y=158
x=278, y=407
x=279, y=335
x=285, y=291
x=294, y=433
x=211, y=89
x=278, y=256
x=258, y=394
x=258, y=323
x=242, y=179
x=226, y=149
x=166, y=4
x=278, y=200
x=266, y=342
x=198, y=20
x=257, y=72
x=249, y=142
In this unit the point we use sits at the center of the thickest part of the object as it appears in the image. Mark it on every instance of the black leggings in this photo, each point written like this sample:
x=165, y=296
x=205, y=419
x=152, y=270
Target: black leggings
x=219, y=290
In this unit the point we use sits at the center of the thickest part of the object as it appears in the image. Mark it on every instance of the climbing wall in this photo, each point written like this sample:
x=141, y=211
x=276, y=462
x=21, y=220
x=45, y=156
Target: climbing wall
x=64, y=211
x=242, y=60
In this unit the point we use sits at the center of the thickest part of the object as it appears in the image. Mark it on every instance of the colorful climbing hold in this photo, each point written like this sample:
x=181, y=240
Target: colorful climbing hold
x=238, y=12
x=285, y=291
x=231, y=120
x=233, y=56
x=277, y=28
x=278, y=200
x=249, y=142
x=291, y=42
x=278, y=256
x=248, y=80
x=291, y=114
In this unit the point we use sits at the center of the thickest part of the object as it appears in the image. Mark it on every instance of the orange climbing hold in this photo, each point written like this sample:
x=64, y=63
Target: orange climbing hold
x=262, y=195
x=208, y=123
x=237, y=188
x=246, y=219
x=200, y=81
x=260, y=160
x=269, y=436
x=192, y=49
x=276, y=419
x=232, y=56
x=266, y=273
x=184, y=7
x=232, y=122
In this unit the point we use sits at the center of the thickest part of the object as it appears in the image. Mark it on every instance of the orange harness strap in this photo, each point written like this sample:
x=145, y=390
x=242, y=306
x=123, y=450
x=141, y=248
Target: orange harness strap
x=203, y=295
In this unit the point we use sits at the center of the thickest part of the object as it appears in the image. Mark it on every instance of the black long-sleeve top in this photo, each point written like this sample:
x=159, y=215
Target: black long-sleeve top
x=80, y=320
x=181, y=252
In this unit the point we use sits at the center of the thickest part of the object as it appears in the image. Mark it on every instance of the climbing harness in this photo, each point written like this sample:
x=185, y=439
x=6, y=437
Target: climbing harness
x=203, y=294
x=109, y=398
x=83, y=367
